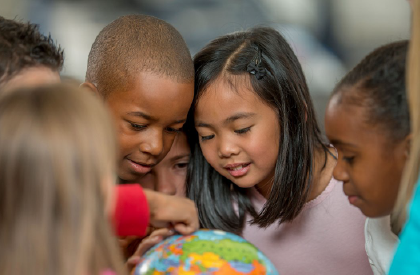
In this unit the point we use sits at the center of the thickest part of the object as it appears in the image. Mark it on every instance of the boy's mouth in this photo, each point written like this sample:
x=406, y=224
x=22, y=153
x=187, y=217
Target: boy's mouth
x=139, y=167
x=238, y=169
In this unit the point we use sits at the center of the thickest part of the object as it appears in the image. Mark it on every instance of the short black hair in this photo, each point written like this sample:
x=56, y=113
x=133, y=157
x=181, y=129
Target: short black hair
x=263, y=55
x=381, y=89
x=22, y=46
x=133, y=44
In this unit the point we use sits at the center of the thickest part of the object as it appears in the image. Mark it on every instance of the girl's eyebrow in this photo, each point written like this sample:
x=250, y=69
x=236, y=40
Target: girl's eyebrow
x=238, y=116
x=337, y=142
x=227, y=120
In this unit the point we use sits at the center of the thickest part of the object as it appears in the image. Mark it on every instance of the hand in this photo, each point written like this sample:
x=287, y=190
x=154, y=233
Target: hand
x=156, y=237
x=169, y=211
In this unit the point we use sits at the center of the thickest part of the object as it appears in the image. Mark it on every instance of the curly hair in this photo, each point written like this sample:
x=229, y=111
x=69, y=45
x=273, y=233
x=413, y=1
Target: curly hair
x=23, y=46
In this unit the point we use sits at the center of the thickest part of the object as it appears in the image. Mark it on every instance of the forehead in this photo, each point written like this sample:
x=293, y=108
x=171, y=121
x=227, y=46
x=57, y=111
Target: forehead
x=179, y=148
x=346, y=123
x=155, y=95
x=223, y=97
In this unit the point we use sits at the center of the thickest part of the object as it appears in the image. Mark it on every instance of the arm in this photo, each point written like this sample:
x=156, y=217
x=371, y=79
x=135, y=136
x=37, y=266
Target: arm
x=136, y=208
x=131, y=216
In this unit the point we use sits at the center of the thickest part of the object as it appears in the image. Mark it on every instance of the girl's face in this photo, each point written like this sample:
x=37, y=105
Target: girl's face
x=239, y=134
x=369, y=163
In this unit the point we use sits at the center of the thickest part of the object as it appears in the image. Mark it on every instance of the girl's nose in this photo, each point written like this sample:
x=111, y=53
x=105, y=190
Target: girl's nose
x=227, y=148
x=340, y=173
x=164, y=184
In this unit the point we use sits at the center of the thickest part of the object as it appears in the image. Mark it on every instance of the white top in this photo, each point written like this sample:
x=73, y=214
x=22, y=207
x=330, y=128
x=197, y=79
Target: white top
x=380, y=244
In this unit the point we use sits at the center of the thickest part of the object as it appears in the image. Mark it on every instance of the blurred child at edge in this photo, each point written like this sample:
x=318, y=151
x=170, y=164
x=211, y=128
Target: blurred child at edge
x=56, y=174
x=406, y=260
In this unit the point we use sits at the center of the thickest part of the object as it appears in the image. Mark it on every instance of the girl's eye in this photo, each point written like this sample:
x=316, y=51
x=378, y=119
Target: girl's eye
x=173, y=130
x=349, y=160
x=243, y=130
x=204, y=138
x=137, y=127
x=181, y=165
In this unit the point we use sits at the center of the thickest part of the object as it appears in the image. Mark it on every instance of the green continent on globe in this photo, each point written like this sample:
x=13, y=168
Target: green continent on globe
x=227, y=249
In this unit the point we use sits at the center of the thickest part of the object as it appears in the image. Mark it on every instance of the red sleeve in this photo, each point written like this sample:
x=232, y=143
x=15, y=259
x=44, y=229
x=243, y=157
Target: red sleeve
x=131, y=216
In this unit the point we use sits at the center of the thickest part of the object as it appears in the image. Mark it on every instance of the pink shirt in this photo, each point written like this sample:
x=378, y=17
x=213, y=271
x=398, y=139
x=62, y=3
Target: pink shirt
x=326, y=238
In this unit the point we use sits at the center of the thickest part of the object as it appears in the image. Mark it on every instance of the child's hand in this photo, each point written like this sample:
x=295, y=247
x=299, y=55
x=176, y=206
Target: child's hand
x=156, y=237
x=170, y=211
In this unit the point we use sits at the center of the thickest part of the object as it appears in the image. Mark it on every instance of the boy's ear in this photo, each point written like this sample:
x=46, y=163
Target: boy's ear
x=90, y=87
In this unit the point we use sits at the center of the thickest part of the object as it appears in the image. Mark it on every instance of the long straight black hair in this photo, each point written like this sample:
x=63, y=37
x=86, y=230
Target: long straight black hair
x=276, y=77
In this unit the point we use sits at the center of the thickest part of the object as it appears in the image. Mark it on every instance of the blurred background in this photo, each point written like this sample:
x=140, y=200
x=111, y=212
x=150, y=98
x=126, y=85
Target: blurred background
x=328, y=36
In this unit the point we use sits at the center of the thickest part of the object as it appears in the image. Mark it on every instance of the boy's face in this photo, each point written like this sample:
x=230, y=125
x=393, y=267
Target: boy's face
x=148, y=116
x=170, y=174
x=369, y=163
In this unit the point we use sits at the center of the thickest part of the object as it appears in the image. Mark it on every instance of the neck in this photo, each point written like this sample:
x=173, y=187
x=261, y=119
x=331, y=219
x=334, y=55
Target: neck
x=321, y=175
x=323, y=166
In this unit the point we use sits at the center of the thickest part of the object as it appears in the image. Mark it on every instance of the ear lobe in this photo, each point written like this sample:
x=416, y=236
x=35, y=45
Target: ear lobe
x=90, y=87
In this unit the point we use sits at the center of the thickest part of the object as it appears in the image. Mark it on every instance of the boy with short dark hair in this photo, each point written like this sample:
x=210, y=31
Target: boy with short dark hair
x=143, y=69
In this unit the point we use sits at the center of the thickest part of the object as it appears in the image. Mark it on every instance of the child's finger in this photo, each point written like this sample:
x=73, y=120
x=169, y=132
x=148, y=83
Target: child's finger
x=132, y=262
x=185, y=229
x=156, y=237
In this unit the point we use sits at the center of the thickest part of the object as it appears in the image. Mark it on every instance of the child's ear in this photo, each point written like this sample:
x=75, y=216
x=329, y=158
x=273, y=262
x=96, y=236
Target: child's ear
x=90, y=87
x=407, y=145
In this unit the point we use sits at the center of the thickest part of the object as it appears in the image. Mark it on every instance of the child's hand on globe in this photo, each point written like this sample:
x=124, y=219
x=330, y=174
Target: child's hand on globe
x=154, y=238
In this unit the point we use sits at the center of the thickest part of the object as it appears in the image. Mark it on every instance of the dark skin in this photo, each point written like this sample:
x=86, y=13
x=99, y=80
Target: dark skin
x=370, y=162
x=148, y=116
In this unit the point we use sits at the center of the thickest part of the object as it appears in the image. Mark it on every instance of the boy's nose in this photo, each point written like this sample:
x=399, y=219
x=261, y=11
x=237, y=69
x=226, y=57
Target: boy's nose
x=154, y=144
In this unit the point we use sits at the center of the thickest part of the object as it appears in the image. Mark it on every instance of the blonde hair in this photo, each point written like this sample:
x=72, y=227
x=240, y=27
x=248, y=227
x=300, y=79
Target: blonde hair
x=411, y=172
x=57, y=147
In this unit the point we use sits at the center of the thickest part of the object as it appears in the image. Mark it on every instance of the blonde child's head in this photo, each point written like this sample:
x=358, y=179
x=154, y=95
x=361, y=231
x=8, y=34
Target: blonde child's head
x=57, y=152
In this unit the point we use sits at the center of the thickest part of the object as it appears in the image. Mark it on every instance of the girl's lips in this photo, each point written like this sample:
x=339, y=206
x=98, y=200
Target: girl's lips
x=238, y=169
x=353, y=199
x=140, y=168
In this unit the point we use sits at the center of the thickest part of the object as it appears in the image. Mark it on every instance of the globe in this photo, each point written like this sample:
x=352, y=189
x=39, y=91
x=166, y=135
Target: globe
x=205, y=252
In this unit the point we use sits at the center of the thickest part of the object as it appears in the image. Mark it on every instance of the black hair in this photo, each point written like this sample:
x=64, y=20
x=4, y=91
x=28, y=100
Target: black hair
x=137, y=43
x=276, y=76
x=23, y=46
x=379, y=80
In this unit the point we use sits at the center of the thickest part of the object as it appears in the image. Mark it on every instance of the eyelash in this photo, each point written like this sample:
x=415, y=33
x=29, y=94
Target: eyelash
x=243, y=130
x=181, y=165
x=138, y=127
x=204, y=138
x=349, y=160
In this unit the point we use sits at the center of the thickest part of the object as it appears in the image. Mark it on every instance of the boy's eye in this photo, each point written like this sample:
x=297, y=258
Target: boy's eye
x=137, y=127
x=243, y=130
x=204, y=138
x=173, y=130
